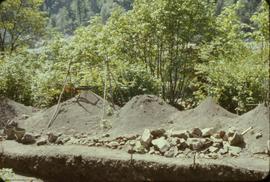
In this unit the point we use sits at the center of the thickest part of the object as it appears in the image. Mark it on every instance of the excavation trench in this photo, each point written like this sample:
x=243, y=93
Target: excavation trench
x=78, y=163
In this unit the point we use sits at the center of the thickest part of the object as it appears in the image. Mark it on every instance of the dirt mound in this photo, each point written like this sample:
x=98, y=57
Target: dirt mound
x=80, y=114
x=207, y=114
x=142, y=111
x=10, y=109
x=258, y=119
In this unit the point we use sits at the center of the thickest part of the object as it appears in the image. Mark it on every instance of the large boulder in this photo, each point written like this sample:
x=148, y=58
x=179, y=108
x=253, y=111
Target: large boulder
x=52, y=137
x=180, y=134
x=42, y=141
x=161, y=144
x=207, y=132
x=28, y=138
x=195, y=143
x=146, y=138
x=236, y=139
x=196, y=132
x=157, y=133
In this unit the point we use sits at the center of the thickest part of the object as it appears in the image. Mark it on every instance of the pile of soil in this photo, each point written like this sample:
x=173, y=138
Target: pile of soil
x=79, y=114
x=207, y=114
x=258, y=119
x=142, y=111
x=10, y=109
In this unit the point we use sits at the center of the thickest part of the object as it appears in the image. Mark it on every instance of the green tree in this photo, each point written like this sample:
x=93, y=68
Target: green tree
x=21, y=23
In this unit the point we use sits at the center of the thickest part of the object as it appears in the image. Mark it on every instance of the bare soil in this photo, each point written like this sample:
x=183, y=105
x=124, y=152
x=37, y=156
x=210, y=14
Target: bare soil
x=10, y=109
x=83, y=115
x=81, y=163
x=79, y=114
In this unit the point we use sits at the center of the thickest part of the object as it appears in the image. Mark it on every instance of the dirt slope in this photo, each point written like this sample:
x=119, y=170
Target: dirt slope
x=205, y=115
x=83, y=115
x=257, y=118
x=142, y=111
x=10, y=109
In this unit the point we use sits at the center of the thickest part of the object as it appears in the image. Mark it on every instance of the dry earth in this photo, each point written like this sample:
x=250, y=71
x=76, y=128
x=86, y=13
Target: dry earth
x=79, y=122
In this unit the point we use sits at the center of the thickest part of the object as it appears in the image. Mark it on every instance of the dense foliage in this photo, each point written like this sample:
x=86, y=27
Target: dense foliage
x=181, y=50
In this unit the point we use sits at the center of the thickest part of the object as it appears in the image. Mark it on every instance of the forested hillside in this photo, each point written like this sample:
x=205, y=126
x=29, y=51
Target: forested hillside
x=181, y=50
x=66, y=15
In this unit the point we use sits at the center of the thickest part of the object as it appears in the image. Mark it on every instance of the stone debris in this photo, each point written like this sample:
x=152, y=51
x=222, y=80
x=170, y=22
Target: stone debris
x=206, y=143
x=42, y=141
x=52, y=137
x=161, y=144
x=196, y=133
x=158, y=132
x=146, y=138
x=207, y=132
x=236, y=139
x=28, y=138
x=180, y=134
x=258, y=135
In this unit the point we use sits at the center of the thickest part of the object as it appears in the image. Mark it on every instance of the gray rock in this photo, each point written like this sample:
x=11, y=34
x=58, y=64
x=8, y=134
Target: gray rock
x=217, y=144
x=183, y=144
x=207, y=132
x=52, y=137
x=42, y=141
x=223, y=151
x=180, y=134
x=236, y=140
x=234, y=151
x=207, y=143
x=161, y=144
x=258, y=135
x=231, y=132
x=105, y=135
x=195, y=143
x=28, y=138
x=196, y=132
x=113, y=144
x=139, y=148
x=173, y=141
x=213, y=149
x=152, y=150
x=146, y=138
x=170, y=153
x=9, y=132
x=157, y=133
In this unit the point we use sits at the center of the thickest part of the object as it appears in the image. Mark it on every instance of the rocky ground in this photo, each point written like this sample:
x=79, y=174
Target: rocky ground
x=147, y=126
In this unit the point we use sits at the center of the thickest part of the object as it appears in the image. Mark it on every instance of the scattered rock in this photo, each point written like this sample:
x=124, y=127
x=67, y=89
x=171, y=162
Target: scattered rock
x=174, y=141
x=222, y=134
x=52, y=137
x=19, y=133
x=236, y=140
x=139, y=148
x=113, y=144
x=157, y=133
x=146, y=138
x=180, y=134
x=28, y=138
x=234, y=151
x=105, y=135
x=207, y=132
x=213, y=149
x=42, y=141
x=171, y=153
x=258, y=135
x=161, y=144
x=195, y=143
x=196, y=132
x=223, y=151
x=183, y=144
x=231, y=132
x=9, y=132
